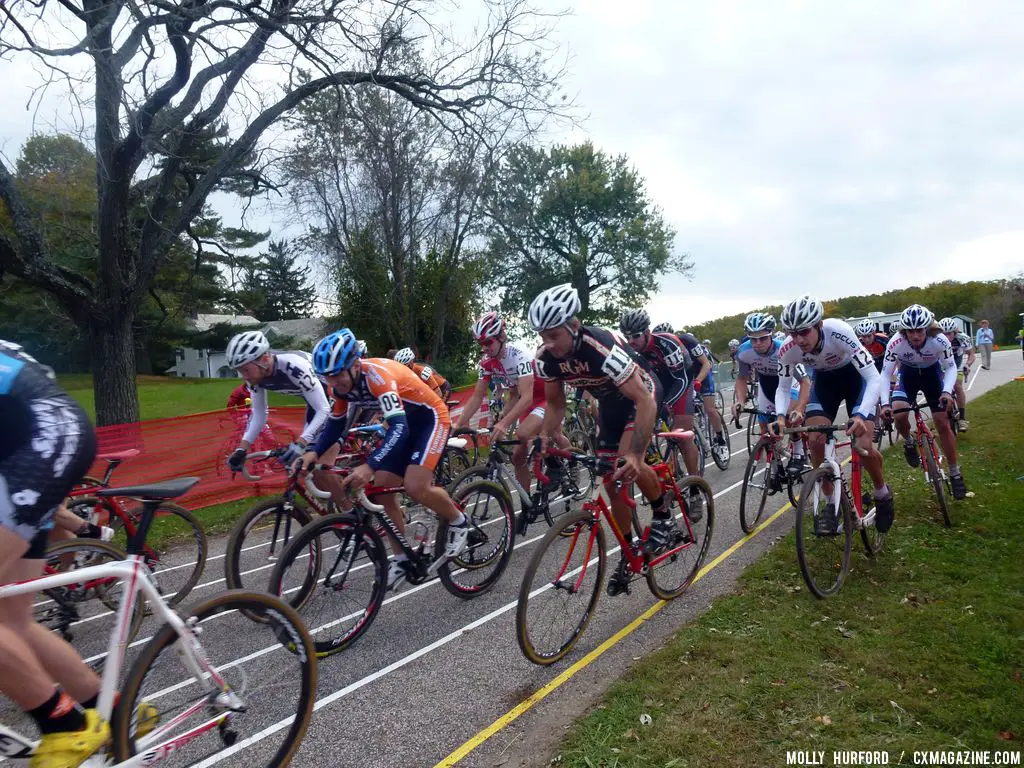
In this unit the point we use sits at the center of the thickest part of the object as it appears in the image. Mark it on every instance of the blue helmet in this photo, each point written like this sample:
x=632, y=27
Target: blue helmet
x=759, y=322
x=335, y=353
x=916, y=317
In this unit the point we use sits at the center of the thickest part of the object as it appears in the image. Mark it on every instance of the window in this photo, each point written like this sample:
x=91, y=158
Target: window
x=179, y=354
x=202, y=374
x=199, y=354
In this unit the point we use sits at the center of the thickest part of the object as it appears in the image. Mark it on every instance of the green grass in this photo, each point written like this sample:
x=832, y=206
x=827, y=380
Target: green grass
x=922, y=649
x=162, y=397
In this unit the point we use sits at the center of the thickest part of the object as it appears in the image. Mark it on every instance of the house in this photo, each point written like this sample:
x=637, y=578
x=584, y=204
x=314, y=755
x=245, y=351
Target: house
x=883, y=321
x=212, y=363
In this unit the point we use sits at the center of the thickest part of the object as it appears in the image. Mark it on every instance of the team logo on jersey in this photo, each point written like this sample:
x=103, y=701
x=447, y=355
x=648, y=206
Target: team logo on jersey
x=573, y=367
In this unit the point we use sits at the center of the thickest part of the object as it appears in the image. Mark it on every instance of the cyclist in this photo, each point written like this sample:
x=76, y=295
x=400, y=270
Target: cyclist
x=417, y=433
x=924, y=357
x=668, y=359
x=433, y=379
x=734, y=344
x=511, y=367
x=873, y=341
x=290, y=373
x=759, y=356
x=711, y=355
x=962, y=347
x=239, y=397
x=840, y=370
x=46, y=445
x=663, y=328
x=578, y=355
x=703, y=379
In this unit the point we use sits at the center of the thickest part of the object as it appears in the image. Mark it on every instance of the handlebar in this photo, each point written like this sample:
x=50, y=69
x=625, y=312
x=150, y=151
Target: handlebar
x=360, y=496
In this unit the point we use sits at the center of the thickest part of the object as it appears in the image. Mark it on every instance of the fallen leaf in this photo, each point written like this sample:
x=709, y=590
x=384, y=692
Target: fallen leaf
x=1007, y=736
x=630, y=734
x=777, y=683
x=932, y=690
x=824, y=719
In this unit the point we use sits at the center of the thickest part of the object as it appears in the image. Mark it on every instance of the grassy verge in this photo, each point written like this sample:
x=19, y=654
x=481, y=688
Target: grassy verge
x=922, y=650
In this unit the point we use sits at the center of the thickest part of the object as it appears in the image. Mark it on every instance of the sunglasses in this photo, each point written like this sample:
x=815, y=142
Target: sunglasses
x=803, y=333
x=635, y=335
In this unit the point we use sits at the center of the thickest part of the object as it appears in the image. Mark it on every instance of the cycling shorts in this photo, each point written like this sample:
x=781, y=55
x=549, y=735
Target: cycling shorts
x=428, y=437
x=615, y=415
x=830, y=388
x=37, y=476
x=684, y=405
x=910, y=381
x=708, y=387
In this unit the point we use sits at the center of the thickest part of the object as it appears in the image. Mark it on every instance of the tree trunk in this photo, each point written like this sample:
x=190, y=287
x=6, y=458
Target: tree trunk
x=112, y=346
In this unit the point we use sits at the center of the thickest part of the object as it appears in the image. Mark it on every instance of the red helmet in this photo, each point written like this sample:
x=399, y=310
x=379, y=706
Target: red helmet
x=489, y=326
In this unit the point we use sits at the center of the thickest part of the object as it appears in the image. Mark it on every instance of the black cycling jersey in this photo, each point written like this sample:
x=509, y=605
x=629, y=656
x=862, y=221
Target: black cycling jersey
x=697, y=352
x=670, y=361
x=599, y=363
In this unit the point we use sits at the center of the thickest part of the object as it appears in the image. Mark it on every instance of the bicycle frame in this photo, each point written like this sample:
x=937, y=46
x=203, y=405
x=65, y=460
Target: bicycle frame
x=135, y=575
x=863, y=519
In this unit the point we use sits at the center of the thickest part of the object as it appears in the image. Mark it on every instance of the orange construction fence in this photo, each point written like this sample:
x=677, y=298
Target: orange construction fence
x=198, y=445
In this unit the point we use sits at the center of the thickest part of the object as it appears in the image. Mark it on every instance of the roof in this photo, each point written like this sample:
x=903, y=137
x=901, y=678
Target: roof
x=301, y=329
x=203, y=322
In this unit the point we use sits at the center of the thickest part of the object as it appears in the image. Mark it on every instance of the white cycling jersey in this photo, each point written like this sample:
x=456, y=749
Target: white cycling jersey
x=935, y=350
x=838, y=346
x=505, y=370
x=292, y=374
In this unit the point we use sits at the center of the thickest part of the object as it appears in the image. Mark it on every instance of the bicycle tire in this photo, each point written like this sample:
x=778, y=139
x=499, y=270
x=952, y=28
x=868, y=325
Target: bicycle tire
x=936, y=480
x=580, y=521
x=872, y=539
x=308, y=542
x=70, y=549
x=701, y=443
x=751, y=440
x=474, y=474
x=822, y=590
x=749, y=522
x=290, y=631
x=481, y=533
x=452, y=463
x=296, y=516
x=581, y=441
x=702, y=530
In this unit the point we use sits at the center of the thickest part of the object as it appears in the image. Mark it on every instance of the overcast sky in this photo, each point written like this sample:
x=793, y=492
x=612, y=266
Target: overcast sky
x=825, y=147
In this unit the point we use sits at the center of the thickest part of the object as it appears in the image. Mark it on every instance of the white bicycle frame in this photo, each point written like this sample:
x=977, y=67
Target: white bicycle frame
x=134, y=574
x=832, y=460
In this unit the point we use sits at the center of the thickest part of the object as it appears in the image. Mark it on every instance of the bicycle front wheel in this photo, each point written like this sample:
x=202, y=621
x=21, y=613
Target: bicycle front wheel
x=491, y=538
x=669, y=574
x=255, y=675
x=560, y=588
x=756, y=486
x=258, y=539
x=936, y=480
x=334, y=572
x=824, y=534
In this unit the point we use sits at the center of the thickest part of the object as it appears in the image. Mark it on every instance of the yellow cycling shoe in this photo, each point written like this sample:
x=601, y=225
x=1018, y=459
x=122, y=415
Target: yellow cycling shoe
x=69, y=749
x=146, y=718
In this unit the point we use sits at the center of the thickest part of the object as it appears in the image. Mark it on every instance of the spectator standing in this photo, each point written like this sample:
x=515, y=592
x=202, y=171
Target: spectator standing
x=984, y=341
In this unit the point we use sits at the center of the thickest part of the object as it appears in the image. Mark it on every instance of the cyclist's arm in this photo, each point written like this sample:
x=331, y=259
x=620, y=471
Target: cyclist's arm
x=316, y=398
x=705, y=364
x=554, y=410
x=786, y=371
x=336, y=426
x=393, y=410
x=739, y=395
x=523, y=401
x=257, y=418
x=888, y=368
x=646, y=411
x=865, y=365
x=473, y=403
x=948, y=369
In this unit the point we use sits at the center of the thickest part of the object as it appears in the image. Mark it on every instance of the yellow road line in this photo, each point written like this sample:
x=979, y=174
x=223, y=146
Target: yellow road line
x=535, y=698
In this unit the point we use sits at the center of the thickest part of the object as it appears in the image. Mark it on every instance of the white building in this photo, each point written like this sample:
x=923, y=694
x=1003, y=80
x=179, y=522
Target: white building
x=883, y=321
x=212, y=363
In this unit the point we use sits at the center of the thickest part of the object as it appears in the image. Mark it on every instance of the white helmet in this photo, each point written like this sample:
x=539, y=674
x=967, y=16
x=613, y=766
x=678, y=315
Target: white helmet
x=734, y=343
x=948, y=325
x=554, y=307
x=361, y=348
x=405, y=356
x=246, y=347
x=916, y=317
x=805, y=312
x=864, y=328
x=780, y=335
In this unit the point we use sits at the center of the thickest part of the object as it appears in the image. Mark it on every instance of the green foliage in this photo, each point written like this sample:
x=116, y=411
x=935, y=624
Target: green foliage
x=577, y=215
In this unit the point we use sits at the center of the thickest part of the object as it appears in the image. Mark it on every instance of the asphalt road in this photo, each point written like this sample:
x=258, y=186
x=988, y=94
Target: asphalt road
x=433, y=670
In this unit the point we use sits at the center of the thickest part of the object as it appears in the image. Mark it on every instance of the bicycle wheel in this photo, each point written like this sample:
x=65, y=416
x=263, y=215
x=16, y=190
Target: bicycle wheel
x=491, y=538
x=334, y=572
x=669, y=574
x=85, y=613
x=472, y=475
x=175, y=548
x=824, y=538
x=258, y=539
x=872, y=539
x=581, y=441
x=452, y=463
x=251, y=685
x=757, y=485
x=700, y=440
x=936, y=479
x=752, y=436
x=722, y=454
x=560, y=588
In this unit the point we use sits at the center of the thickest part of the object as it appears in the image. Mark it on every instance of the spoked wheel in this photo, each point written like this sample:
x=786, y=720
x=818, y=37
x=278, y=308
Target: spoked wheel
x=758, y=484
x=752, y=437
x=873, y=539
x=937, y=480
x=453, y=462
x=256, y=676
x=671, y=572
x=258, y=539
x=824, y=535
x=722, y=454
x=560, y=588
x=491, y=538
x=334, y=572
x=700, y=440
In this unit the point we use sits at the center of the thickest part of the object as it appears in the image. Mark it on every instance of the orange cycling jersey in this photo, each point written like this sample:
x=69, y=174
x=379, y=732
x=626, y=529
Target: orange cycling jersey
x=433, y=379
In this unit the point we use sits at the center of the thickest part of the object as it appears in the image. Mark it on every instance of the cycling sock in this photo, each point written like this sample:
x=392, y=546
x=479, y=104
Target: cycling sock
x=954, y=470
x=461, y=520
x=883, y=493
x=908, y=441
x=658, y=508
x=963, y=412
x=58, y=713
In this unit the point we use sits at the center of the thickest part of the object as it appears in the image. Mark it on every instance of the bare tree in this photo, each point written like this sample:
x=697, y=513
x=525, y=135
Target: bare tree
x=161, y=73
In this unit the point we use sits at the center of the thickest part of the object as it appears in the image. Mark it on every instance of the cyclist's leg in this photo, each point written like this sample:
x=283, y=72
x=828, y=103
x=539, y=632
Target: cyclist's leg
x=708, y=392
x=901, y=398
x=428, y=437
x=682, y=418
x=822, y=406
x=529, y=428
x=854, y=388
x=931, y=385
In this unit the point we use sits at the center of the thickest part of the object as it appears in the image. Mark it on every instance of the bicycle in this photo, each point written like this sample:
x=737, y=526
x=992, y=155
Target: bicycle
x=830, y=516
x=498, y=469
x=114, y=459
x=584, y=537
x=720, y=454
x=218, y=693
x=767, y=474
x=931, y=459
x=357, y=572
